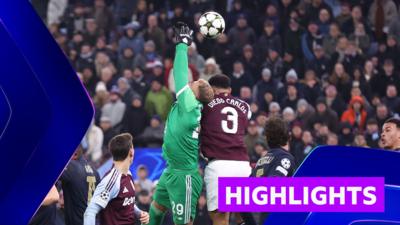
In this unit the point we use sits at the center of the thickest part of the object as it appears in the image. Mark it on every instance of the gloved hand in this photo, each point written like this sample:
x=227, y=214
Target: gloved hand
x=183, y=34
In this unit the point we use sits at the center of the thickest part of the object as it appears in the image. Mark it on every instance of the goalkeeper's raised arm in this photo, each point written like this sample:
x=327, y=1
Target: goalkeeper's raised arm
x=201, y=90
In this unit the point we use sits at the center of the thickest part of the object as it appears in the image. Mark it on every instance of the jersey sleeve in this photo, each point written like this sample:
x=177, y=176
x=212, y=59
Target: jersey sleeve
x=107, y=189
x=283, y=167
x=186, y=99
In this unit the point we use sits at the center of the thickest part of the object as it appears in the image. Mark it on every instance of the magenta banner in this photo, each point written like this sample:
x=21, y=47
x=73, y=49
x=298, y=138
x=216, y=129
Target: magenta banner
x=301, y=194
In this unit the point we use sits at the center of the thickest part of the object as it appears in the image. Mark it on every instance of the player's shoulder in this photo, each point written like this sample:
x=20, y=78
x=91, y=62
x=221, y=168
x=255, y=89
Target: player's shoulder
x=280, y=153
x=111, y=178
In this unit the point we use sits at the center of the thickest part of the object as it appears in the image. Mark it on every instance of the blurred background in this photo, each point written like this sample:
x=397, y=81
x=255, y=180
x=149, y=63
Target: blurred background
x=330, y=68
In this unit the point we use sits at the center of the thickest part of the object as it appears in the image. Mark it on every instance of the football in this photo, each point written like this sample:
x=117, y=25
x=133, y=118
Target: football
x=211, y=24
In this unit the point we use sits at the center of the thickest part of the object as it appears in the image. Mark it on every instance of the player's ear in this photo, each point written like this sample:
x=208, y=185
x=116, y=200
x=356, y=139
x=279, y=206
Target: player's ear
x=230, y=90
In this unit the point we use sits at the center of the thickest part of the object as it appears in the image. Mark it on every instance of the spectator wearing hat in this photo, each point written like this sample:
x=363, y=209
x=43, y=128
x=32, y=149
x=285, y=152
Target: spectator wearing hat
x=125, y=90
x=211, y=68
x=152, y=136
x=131, y=39
x=274, y=62
x=372, y=133
x=333, y=100
x=158, y=100
x=86, y=57
x=114, y=109
x=240, y=35
x=135, y=118
x=108, y=134
x=157, y=71
x=138, y=81
x=146, y=59
x=304, y=111
x=321, y=64
x=155, y=33
x=251, y=138
x=309, y=39
x=265, y=85
x=107, y=77
x=346, y=135
x=269, y=38
x=356, y=114
x=323, y=114
x=240, y=78
x=289, y=116
x=291, y=78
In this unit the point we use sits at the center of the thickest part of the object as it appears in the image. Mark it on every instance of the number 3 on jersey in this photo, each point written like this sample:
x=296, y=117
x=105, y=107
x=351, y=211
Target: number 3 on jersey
x=232, y=116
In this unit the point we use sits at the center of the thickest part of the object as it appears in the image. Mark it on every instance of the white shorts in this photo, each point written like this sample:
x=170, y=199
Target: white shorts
x=222, y=168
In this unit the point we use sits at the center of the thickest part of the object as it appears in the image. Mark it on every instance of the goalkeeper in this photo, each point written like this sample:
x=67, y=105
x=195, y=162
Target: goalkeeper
x=180, y=184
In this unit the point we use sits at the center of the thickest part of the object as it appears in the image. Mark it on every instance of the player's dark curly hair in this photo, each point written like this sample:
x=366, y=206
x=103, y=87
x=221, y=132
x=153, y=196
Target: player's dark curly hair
x=220, y=81
x=276, y=132
x=120, y=146
x=206, y=93
x=394, y=120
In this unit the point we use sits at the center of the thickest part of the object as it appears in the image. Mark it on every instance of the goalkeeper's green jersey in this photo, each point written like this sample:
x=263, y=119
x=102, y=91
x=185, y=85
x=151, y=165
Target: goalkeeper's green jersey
x=181, y=143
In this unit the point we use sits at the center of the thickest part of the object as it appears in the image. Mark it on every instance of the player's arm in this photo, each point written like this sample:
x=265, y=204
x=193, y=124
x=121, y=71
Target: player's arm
x=51, y=197
x=184, y=94
x=142, y=215
x=107, y=189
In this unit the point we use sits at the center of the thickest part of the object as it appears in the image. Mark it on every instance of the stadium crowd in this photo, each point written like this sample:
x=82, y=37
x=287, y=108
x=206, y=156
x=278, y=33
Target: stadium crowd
x=330, y=68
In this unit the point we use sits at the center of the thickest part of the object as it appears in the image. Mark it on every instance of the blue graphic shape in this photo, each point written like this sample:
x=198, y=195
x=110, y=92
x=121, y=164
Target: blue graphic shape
x=392, y=199
x=150, y=157
x=5, y=111
x=339, y=161
x=49, y=111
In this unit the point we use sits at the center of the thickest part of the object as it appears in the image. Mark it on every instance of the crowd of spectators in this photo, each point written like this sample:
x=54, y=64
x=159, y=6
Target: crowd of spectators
x=330, y=68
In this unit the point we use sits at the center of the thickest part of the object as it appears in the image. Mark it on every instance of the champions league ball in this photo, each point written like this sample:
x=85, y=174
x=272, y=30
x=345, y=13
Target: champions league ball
x=211, y=24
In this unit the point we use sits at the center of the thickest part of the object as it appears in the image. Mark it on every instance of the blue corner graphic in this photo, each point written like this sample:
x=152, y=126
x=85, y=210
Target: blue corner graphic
x=44, y=111
x=337, y=161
